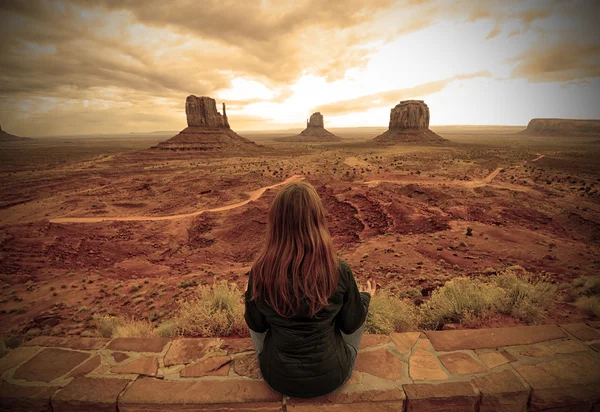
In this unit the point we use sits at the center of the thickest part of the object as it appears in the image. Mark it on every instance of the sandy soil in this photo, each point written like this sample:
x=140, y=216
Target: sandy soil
x=107, y=227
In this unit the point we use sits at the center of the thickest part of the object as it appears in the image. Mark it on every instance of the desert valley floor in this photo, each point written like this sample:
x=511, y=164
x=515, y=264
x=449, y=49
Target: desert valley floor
x=106, y=225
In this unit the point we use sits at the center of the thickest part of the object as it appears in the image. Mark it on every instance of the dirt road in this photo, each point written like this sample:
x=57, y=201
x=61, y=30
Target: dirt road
x=252, y=197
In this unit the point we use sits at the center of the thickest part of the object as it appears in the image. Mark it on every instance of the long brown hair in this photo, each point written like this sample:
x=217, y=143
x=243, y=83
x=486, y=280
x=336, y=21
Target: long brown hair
x=297, y=270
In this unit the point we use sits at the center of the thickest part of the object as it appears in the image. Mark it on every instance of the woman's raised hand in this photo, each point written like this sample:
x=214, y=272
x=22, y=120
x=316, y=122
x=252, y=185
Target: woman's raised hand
x=370, y=288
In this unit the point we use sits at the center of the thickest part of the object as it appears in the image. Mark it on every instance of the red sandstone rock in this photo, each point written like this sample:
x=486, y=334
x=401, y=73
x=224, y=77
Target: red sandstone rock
x=89, y=394
x=208, y=131
x=188, y=350
x=493, y=359
x=26, y=398
x=404, y=341
x=452, y=340
x=567, y=346
x=49, y=364
x=380, y=362
x=315, y=132
x=382, y=400
x=563, y=127
x=119, y=356
x=502, y=392
x=213, y=366
x=247, y=365
x=138, y=344
x=144, y=366
x=86, y=367
x=423, y=366
x=442, y=397
x=460, y=363
x=70, y=342
x=582, y=331
x=409, y=122
x=369, y=341
x=237, y=345
x=15, y=357
x=162, y=395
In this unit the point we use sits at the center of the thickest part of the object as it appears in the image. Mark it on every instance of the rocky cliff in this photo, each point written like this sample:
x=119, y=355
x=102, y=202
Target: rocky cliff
x=7, y=137
x=563, y=127
x=202, y=112
x=208, y=131
x=409, y=123
x=315, y=132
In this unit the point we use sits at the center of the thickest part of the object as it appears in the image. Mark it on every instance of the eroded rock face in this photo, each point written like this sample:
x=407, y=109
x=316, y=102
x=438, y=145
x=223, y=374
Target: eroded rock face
x=202, y=112
x=409, y=123
x=410, y=114
x=565, y=127
x=208, y=131
x=316, y=120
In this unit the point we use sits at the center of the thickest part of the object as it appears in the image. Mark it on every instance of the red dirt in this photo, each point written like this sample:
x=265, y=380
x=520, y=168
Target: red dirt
x=121, y=234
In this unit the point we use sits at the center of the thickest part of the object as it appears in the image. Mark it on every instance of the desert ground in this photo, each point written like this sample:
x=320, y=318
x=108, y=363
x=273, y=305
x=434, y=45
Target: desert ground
x=105, y=225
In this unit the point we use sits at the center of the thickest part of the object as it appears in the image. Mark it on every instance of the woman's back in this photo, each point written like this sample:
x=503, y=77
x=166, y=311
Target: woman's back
x=306, y=356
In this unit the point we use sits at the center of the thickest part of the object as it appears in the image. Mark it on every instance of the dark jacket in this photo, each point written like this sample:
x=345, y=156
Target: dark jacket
x=306, y=356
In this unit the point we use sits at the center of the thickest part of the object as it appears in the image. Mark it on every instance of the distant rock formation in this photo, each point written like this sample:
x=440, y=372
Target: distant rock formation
x=409, y=123
x=315, y=132
x=7, y=137
x=563, y=127
x=208, y=130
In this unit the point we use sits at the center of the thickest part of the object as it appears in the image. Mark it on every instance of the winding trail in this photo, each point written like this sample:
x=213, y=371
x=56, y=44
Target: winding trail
x=538, y=158
x=253, y=196
x=472, y=183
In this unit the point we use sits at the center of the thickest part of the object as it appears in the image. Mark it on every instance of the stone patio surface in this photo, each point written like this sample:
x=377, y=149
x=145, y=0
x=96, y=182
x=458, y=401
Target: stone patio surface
x=535, y=368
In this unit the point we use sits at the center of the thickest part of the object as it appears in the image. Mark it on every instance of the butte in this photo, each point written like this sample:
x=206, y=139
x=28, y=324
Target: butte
x=7, y=137
x=315, y=132
x=208, y=131
x=563, y=127
x=409, y=123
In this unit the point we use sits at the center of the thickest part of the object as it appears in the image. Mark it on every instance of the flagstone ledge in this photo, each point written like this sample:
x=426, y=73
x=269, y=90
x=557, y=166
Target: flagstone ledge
x=537, y=368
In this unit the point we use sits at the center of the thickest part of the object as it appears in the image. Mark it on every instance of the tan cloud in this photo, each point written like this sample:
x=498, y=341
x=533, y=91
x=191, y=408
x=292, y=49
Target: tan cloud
x=563, y=62
x=392, y=97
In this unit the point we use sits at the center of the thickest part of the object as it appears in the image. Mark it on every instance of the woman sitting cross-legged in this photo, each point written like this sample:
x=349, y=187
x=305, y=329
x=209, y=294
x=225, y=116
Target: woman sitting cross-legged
x=305, y=312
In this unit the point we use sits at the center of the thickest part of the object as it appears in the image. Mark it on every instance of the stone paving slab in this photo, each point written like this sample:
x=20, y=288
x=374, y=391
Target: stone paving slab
x=25, y=398
x=403, y=372
x=162, y=395
x=89, y=394
x=72, y=342
x=188, y=350
x=138, y=344
x=502, y=392
x=442, y=397
x=50, y=364
x=451, y=340
x=582, y=331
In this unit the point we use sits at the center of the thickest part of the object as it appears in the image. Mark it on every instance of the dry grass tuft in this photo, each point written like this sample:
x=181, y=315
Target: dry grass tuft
x=114, y=327
x=388, y=313
x=217, y=311
x=590, y=305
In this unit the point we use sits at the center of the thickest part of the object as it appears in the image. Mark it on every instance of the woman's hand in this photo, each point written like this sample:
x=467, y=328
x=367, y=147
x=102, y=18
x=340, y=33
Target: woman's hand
x=370, y=288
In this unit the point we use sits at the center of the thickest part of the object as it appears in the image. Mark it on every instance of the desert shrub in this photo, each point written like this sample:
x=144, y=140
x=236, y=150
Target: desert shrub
x=106, y=325
x=457, y=300
x=3, y=349
x=388, y=313
x=525, y=298
x=591, y=286
x=217, y=311
x=132, y=328
x=589, y=304
x=115, y=327
x=167, y=329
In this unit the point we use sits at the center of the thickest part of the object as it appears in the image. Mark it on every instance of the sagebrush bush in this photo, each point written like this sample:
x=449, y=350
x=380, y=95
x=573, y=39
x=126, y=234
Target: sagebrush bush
x=591, y=286
x=525, y=298
x=114, y=327
x=590, y=305
x=217, y=311
x=457, y=300
x=388, y=313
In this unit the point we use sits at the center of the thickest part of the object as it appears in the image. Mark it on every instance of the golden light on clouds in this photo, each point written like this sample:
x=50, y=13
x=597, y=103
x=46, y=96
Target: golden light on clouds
x=79, y=67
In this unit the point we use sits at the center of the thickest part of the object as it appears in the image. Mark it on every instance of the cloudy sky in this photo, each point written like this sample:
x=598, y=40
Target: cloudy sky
x=110, y=66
